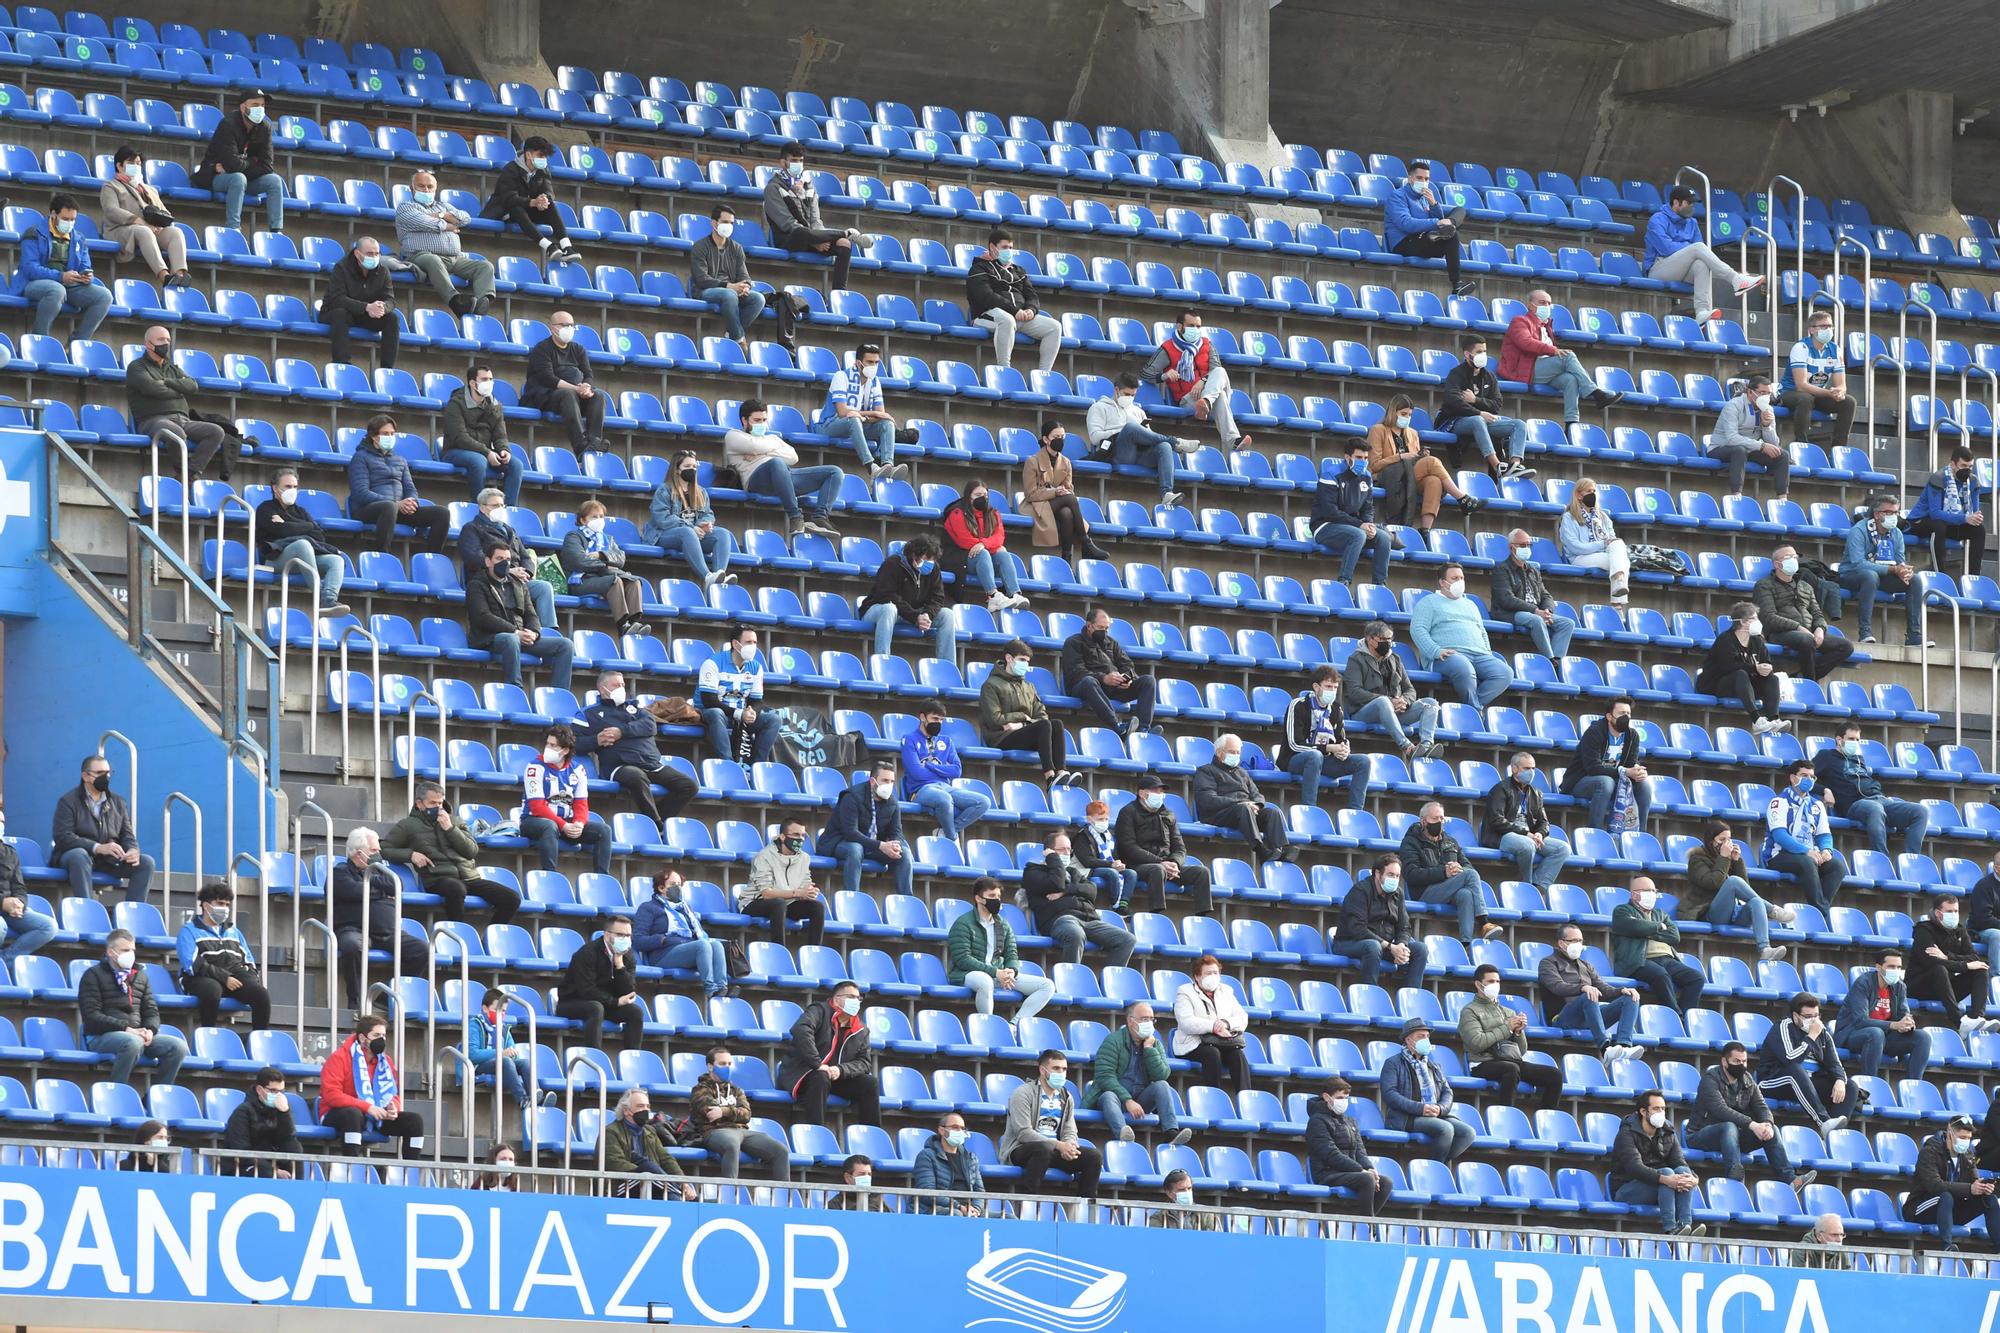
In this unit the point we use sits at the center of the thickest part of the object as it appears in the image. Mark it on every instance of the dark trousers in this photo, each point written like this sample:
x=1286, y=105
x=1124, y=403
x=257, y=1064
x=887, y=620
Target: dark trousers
x=1098, y=698
x=341, y=323
x=502, y=901
x=416, y=958
x=1816, y=661
x=531, y=220
x=582, y=417
x=547, y=836
x=807, y=239
x=1263, y=828
x=1217, y=1060
x=592, y=1013
x=1511, y=1074
x=1419, y=246
x=209, y=994
x=1037, y=1157
x=1758, y=694
x=1793, y=1085
x=864, y=1098
x=1045, y=738
x=432, y=523
x=1961, y=992
x=776, y=911
x=1672, y=980
x=637, y=784
x=1940, y=531
x=408, y=1126
x=1193, y=881
x=1949, y=1215
x=1370, y=1195
x=1820, y=882
x=1801, y=404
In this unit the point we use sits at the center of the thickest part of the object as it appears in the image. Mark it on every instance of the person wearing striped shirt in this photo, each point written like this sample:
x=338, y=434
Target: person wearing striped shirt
x=1800, y=838
x=555, y=805
x=854, y=411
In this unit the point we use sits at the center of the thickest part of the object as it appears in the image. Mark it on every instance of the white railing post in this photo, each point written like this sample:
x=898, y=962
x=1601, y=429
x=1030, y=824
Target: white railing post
x=187, y=521
x=1707, y=201
x=313, y=923
x=410, y=795
x=375, y=722
x=174, y=798
x=1798, y=234
x=249, y=554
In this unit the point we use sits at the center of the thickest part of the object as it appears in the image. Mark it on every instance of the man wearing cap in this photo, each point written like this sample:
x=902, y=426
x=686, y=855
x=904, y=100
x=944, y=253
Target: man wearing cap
x=1675, y=252
x=1416, y=1095
x=1148, y=839
x=1950, y=1192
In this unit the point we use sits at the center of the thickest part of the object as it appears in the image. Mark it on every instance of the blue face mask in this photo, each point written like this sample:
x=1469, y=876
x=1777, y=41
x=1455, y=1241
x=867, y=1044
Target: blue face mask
x=725, y=1072
x=1423, y=1046
x=760, y=428
x=926, y=567
x=1008, y=254
x=1190, y=338
x=369, y=262
x=1359, y=467
x=1056, y=1082
x=424, y=197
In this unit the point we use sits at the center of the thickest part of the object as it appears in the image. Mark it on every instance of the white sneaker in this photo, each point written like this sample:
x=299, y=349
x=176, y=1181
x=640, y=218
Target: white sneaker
x=1784, y=916
x=1187, y=446
x=1993, y=1025
x=1970, y=1026
x=1181, y=1137
x=999, y=601
x=1170, y=499
x=1749, y=282
x=1763, y=725
x=1772, y=954
x=1125, y=1134
x=1020, y=600
x=1617, y=1052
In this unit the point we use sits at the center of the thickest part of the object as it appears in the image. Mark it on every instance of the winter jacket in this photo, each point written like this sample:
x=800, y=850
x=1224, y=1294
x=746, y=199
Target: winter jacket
x=898, y=584
x=474, y=424
x=1632, y=930
x=623, y=1155
x=1085, y=654
x=1641, y=1154
x=1218, y=788
x=204, y=951
x=1511, y=808
x=1787, y=607
x=1721, y=1100
x=353, y=288
x=659, y=926
x=336, y=1078
x=1940, y=1171
x=485, y=1040
x=860, y=816
x=103, y=1005
x=255, y=1127
x=1847, y=778
x=452, y=851
x=1560, y=979
x=1519, y=587
x=1041, y=476
x=1366, y=913
x=1485, y=395
x=1334, y=1145
x=1197, y=1011
x=1728, y=655
x=516, y=184
x=816, y=1040
x=715, y=263
x=1006, y=703
x=156, y=388
x=480, y=534
x=1484, y=1032
x=374, y=476
x=992, y=285
x=938, y=1172
x=1982, y=905
x=77, y=828
x=1369, y=677
x=638, y=741
x=595, y=973
x=1410, y=212
x=1668, y=233
x=549, y=364
x=1956, y=945
x=120, y=206
x=1528, y=340
x=1857, y=1008
x=1865, y=548
x=790, y=206
x=1424, y=858
x=580, y=562
x=1346, y=500
x=774, y=868
x=1055, y=891
x=236, y=147
x=1148, y=837
x=347, y=886
x=1402, y=1090
x=966, y=950
x=1024, y=1109
x=1108, y=1068
x=967, y=529
x=1786, y=1046
x=1706, y=870
x=1598, y=756
x=280, y=524
x=711, y=1093
x=1933, y=501
x=1302, y=733
x=496, y=606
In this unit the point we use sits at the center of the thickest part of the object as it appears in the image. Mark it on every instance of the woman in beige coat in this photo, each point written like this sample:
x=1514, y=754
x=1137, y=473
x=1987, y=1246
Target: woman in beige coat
x=123, y=202
x=1048, y=488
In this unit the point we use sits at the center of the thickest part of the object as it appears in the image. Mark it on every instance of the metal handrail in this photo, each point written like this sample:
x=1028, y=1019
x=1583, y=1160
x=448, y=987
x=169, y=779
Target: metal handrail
x=332, y=980
x=534, y=1088
x=571, y=1059
x=285, y=640
x=410, y=795
x=1770, y=294
x=187, y=520
x=1841, y=238
x=249, y=553
x=299, y=861
x=466, y=1073
x=1965, y=375
x=1903, y=394
x=1957, y=654
x=1707, y=201
x=348, y=631
x=131, y=758
x=174, y=798
x=430, y=1016
x=234, y=748
x=264, y=908
x=1798, y=234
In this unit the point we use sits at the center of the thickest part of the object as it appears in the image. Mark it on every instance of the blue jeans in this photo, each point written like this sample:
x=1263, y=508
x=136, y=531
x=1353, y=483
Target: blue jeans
x=1865, y=584
x=873, y=442
x=983, y=568
x=1311, y=768
x=1989, y=940
x=1591, y=1015
x=708, y=959
x=1369, y=954
x=1550, y=637
x=882, y=618
x=477, y=467
x=548, y=840
x=1483, y=434
x=721, y=727
x=1541, y=866
x=1449, y=1136
x=512, y=1073
x=954, y=808
x=849, y=855
x=1596, y=793
x=1346, y=543
x=1676, y=1208
x=1422, y=717
x=1465, y=892
x=1730, y=1143
x=1116, y=886
x=705, y=556
x=47, y=298
x=22, y=935
x=1736, y=898
x=78, y=862
x=125, y=1050
x=1478, y=678
x=738, y=312
x=1155, y=1097
x=332, y=569
x=1870, y=1043
x=1140, y=446
x=1879, y=815
x=785, y=483
x=550, y=649
x=233, y=185
x=1565, y=374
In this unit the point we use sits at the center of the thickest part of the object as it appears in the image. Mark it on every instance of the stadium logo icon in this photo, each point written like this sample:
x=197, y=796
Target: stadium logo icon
x=1045, y=1292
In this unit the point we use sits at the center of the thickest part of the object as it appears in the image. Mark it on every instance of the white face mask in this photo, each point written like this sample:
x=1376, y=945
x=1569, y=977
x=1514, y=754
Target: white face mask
x=1949, y=920
x=483, y=388
x=1892, y=976
x=1340, y=1105
x=1479, y=360
x=1100, y=826
x=288, y=496
x=132, y=171
x=1144, y=1030
x=160, y=1145
x=1230, y=760
x=1763, y=401
x=1490, y=991
x=595, y=525
x=884, y=790
x=1657, y=1119
x=1542, y=312
x=1753, y=627
x=1209, y=982
x=617, y=695
x=724, y=230
x=863, y=1182
x=1455, y=589
x=1646, y=901
x=551, y=755
x=564, y=334
x=1183, y=1197
x=850, y=1005
x=123, y=961
x=1392, y=883
x=1403, y=420
x=1573, y=950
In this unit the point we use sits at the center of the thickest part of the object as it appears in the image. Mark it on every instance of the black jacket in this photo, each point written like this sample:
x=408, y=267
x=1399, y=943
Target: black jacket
x=1940, y=1171
x=1485, y=388
x=76, y=827
x=496, y=606
x=549, y=362
x=1333, y=1143
x=898, y=584
x=1083, y=654
x=352, y=288
x=1148, y=837
x=1366, y=913
x=1347, y=501
x=477, y=426
x=1517, y=588
x=479, y=534
x=1597, y=757
x=1641, y=1153
x=1726, y=657
x=348, y=884
x=516, y=185
x=236, y=146
x=104, y=1006
x=1956, y=944
x=638, y=742
x=594, y=973
x=255, y=1127
x=713, y=263
x=1982, y=905
x=1848, y=782
x=1298, y=736
x=1719, y=1100
x=1424, y=860
x=279, y=525
x=812, y=1043
x=11, y=884
x=1511, y=808
x=861, y=816
x=1054, y=892
x=992, y=285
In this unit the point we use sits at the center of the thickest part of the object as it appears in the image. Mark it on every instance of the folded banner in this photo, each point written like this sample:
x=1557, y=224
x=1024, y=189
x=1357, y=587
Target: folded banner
x=805, y=737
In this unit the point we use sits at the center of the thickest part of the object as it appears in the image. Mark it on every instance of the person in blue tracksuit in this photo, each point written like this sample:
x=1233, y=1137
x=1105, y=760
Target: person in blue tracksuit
x=930, y=767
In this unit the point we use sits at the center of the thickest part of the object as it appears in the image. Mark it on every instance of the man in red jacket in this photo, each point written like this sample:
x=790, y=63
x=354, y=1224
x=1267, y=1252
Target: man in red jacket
x=359, y=1089
x=1530, y=354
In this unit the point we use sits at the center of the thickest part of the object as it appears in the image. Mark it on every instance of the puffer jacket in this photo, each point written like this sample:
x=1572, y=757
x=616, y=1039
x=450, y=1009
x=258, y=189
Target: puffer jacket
x=1006, y=703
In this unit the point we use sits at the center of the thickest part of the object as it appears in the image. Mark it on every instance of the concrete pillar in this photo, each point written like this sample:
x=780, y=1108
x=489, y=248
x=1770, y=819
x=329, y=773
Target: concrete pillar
x=1903, y=145
x=1242, y=72
x=512, y=32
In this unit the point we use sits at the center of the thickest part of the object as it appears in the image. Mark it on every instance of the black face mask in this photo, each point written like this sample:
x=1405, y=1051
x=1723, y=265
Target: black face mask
x=1433, y=830
x=1619, y=723
x=992, y=906
x=160, y=349
x=794, y=845
x=1382, y=648
x=1054, y=446
x=1962, y=475
x=102, y=782
x=981, y=503
x=1590, y=501
x=434, y=815
x=1734, y=1071
x=377, y=1045
x=933, y=728
x=688, y=476
x=672, y=893
x=1100, y=634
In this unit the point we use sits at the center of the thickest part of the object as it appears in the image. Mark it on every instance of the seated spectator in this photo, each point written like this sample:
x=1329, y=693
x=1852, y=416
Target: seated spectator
x=1470, y=409
x=1209, y=1023
x=667, y=932
x=1417, y=224
x=766, y=465
x=1178, y=1189
x=1989, y=1138
x=931, y=769
x=602, y=981
x=792, y=216
x=1874, y=563
x=1875, y=1020
x=138, y=219
x=359, y=295
x=1440, y=871
x=909, y=591
x=1982, y=909
x=594, y=563
x=1375, y=925
x=1376, y=689
x=1589, y=538
x=1719, y=891
x=238, y=162
x=1189, y=371
x=1226, y=796
x=729, y=691
x=1818, y=382
x=1739, y=663
x=53, y=272
x=1945, y=968
x=1606, y=775
x=1450, y=635
x=522, y=195
x=262, y=1123
x=1048, y=496
x=1514, y=823
x=1097, y=850
x=1795, y=616
x=1417, y=1097
x=828, y=1053
x=1343, y=519
x=1529, y=354
x=381, y=491
x=980, y=954
x=216, y=961
x=475, y=437
x=1496, y=1038
x=719, y=273
x=781, y=886
x=947, y=1167
x=445, y=858
x=1948, y=510
x=625, y=737
x=490, y=1046
x=720, y=1112
x=1575, y=997
x=153, y=1149
x=362, y=886
x=1041, y=1131
x=1856, y=794
x=1336, y=1154
x=118, y=1016
x=1521, y=595
x=867, y=825
x=1732, y=1120
x=638, y=1147
x=555, y=806
x=1949, y=1191
x=1649, y=1169
x=1012, y=715
x=360, y=1089
x=489, y=528
x=1798, y=1063
x=975, y=551
x=288, y=535
x=1746, y=429
x=22, y=931
x=1799, y=840
x=856, y=412
x=156, y=398
x=427, y=233
x=1063, y=902
x=1116, y=425
x=499, y=1175
x=1414, y=482
x=1314, y=747
x=559, y=383
x=1645, y=945
x=1147, y=838
x=1097, y=670
x=1128, y=1078
x=1676, y=252
x=500, y=616
x=1000, y=296
x=857, y=1173
x=682, y=520
x=93, y=834
x=1825, y=1241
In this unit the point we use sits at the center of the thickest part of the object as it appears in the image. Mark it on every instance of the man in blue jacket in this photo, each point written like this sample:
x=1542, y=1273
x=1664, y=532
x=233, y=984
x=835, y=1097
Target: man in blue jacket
x=381, y=491
x=1875, y=563
x=1416, y=1095
x=626, y=741
x=930, y=764
x=667, y=932
x=1343, y=517
x=1417, y=225
x=867, y=823
x=1857, y=795
x=1875, y=1020
x=1948, y=510
x=1675, y=252
x=55, y=272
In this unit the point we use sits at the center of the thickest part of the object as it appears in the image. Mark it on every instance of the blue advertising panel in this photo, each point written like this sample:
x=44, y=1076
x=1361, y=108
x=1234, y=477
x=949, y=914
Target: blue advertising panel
x=24, y=525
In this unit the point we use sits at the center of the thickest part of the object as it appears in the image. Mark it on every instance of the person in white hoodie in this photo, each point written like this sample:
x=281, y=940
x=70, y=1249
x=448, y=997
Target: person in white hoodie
x=1209, y=1023
x=1117, y=425
x=768, y=466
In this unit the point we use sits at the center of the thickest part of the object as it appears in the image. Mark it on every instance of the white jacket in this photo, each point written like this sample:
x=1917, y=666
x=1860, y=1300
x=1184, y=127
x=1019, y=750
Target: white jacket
x=1195, y=1012
x=1107, y=417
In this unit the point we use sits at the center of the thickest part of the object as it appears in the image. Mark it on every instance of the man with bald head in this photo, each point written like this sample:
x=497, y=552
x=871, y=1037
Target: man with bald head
x=1530, y=353
x=1520, y=595
x=427, y=232
x=1823, y=1243
x=358, y=296
x=156, y=398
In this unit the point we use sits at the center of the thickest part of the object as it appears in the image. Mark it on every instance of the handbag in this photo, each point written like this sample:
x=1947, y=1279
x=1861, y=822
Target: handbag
x=156, y=217
x=550, y=571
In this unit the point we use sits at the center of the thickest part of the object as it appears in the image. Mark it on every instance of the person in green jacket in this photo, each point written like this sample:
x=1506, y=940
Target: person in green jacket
x=1129, y=1078
x=156, y=398
x=1645, y=945
x=979, y=952
x=636, y=1147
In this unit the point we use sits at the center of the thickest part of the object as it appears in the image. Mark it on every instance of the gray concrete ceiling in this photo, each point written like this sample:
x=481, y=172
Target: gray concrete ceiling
x=1580, y=20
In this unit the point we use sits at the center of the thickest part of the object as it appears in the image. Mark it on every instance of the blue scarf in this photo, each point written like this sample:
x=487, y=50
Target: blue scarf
x=377, y=1088
x=597, y=543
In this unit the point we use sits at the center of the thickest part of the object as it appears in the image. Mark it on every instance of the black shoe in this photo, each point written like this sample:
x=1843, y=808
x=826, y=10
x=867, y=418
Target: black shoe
x=1464, y=289
x=461, y=305
x=1092, y=551
x=1471, y=504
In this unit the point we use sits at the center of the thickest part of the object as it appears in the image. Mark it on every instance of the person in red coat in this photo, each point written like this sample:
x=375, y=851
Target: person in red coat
x=359, y=1088
x=1530, y=355
x=975, y=550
